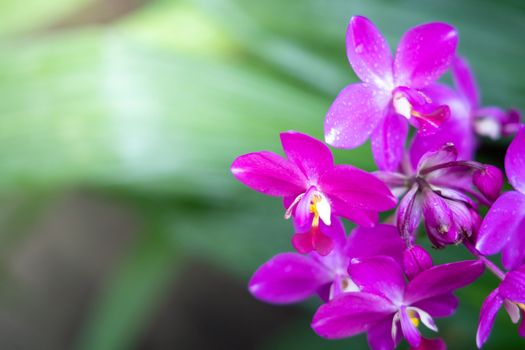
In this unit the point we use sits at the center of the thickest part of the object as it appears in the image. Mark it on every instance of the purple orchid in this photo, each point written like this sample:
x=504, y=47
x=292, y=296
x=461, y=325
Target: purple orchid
x=430, y=344
x=391, y=89
x=503, y=229
x=439, y=190
x=489, y=121
x=388, y=308
x=291, y=277
x=467, y=117
x=313, y=189
x=511, y=295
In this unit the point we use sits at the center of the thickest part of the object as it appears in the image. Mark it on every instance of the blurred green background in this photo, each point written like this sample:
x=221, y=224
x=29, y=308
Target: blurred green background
x=120, y=224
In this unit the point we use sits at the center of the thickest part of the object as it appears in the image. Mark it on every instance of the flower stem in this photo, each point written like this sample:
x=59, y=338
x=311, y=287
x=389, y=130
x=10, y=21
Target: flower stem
x=488, y=264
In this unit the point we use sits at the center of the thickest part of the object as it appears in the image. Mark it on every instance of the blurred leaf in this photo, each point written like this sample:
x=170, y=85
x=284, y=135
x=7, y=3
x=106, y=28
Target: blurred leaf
x=98, y=109
x=24, y=15
x=129, y=298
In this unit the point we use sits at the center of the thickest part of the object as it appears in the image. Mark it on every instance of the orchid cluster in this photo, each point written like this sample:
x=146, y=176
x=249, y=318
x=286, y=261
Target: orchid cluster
x=378, y=280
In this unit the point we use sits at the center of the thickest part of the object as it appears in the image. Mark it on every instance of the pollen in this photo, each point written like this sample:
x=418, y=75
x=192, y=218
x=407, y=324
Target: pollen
x=413, y=318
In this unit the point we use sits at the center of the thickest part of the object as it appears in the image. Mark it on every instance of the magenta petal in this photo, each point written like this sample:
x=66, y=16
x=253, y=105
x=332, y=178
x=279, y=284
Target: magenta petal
x=288, y=278
x=424, y=54
x=354, y=114
x=489, y=181
x=488, y=312
x=368, y=52
x=362, y=217
x=457, y=129
x=431, y=344
x=357, y=188
x=302, y=214
x=496, y=229
x=269, y=173
x=415, y=261
x=446, y=153
x=465, y=82
x=388, y=141
x=439, y=306
x=513, y=254
x=380, y=275
x=515, y=161
x=378, y=240
x=302, y=242
x=442, y=279
x=410, y=331
x=521, y=328
x=409, y=214
x=310, y=155
x=380, y=336
x=513, y=286
x=350, y=314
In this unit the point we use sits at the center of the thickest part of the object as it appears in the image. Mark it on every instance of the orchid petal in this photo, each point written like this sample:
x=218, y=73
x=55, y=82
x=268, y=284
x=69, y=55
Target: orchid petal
x=457, y=129
x=369, y=53
x=442, y=279
x=303, y=215
x=496, y=229
x=521, y=328
x=513, y=254
x=357, y=188
x=445, y=154
x=425, y=318
x=269, y=173
x=513, y=286
x=350, y=314
x=439, y=306
x=380, y=336
x=431, y=344
x=388, y=141
x=310, y=155
x=288, y=278
x=362, y=217
x=515, y=161
x=378, y=240
x=465, y=82
x=487, y=315
x=512, y=310
x=354, y=114
x=410, y=331
x=424, y=54
x=409, y=213
x=380, y=275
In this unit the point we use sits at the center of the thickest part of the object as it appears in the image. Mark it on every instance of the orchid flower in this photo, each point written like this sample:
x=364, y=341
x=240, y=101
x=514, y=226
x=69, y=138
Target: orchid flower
x=388, y=308
x=503, y=228
x=291, y=277
x=390, y=92
x=511, y=294
x=489, y=121
x=439, y=190
x=313, y=188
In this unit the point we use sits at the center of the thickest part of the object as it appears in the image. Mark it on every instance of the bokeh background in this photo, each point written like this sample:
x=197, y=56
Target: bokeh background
x=120, y=224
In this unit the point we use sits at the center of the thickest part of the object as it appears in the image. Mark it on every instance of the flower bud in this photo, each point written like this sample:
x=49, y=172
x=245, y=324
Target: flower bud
x=415, y=261
x=489, y=181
